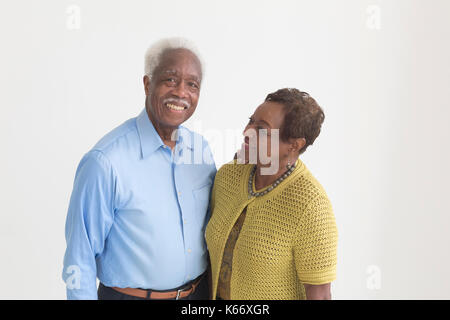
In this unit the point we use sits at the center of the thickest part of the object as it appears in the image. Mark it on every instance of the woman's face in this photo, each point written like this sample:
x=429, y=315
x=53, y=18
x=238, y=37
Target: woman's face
x=261, y=135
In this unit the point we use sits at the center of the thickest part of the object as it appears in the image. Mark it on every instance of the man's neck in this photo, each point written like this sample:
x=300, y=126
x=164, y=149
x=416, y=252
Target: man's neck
x=165, y=133
x=166, y=136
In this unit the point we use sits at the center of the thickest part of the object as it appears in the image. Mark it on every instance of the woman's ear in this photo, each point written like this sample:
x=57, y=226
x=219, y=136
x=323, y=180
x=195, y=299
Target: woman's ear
x=297, y=144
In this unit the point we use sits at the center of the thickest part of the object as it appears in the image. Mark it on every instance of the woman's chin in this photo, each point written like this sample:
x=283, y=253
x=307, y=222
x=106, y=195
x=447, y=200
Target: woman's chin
x=243, y=156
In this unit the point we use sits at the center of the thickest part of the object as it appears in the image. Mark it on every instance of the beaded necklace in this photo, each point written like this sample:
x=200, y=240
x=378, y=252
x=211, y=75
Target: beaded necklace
x=276, y=183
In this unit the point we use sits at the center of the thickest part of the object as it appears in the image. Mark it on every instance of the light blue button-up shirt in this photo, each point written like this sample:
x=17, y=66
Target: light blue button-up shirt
x=138, y=211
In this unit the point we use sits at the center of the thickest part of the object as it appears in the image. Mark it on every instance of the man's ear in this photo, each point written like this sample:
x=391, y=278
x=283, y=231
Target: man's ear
x=146, y=81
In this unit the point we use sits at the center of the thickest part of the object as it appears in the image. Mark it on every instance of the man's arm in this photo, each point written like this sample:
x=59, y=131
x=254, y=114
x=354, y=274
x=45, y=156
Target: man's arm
x=89, y=219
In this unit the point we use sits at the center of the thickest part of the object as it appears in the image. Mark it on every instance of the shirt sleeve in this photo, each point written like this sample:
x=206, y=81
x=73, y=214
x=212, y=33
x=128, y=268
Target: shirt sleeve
x=210, y=205
x=315, y=243
x=209, y=160
x=89, y=219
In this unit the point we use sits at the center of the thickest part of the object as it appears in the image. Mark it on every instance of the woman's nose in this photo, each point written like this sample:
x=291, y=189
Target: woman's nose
x=249, y=131
x=245, y=129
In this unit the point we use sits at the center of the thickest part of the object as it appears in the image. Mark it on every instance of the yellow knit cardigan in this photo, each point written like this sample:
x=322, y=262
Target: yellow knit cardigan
x=289, y=236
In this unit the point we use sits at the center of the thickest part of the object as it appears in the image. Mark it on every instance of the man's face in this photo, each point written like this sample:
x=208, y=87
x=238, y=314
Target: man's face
x=173, y=91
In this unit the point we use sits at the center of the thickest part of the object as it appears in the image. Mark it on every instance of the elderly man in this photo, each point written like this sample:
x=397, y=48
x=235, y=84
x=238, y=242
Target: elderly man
x=139, y=205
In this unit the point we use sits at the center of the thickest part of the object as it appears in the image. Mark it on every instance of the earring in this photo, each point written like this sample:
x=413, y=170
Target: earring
x=289, y=164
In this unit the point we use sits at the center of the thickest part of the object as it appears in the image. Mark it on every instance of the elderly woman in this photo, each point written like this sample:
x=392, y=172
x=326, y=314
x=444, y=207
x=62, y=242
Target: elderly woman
x=273, y=236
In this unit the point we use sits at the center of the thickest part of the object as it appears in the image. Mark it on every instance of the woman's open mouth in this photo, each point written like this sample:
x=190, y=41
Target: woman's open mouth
x=246, y=143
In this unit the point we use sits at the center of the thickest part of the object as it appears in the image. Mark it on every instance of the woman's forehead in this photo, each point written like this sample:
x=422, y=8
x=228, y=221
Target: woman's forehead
x=270, y=112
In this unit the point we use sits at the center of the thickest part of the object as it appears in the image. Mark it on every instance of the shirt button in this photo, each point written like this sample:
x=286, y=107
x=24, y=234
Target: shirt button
x=189, y=250
x=179, y=193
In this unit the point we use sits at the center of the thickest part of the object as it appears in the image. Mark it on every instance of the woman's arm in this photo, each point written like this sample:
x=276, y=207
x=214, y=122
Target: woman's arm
x=315, y=248
x=318, y=292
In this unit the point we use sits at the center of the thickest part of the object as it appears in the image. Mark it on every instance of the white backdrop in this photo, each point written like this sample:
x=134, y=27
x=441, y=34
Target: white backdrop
x=72, y=70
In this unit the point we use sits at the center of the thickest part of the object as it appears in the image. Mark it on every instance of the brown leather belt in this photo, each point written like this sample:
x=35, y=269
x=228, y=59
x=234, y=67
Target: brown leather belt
x=183, y=292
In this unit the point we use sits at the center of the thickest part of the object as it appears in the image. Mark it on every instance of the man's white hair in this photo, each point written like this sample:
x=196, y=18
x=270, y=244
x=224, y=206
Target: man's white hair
x=154, y=52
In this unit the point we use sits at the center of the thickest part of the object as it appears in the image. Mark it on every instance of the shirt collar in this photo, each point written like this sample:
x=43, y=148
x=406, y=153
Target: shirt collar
x=150, y=139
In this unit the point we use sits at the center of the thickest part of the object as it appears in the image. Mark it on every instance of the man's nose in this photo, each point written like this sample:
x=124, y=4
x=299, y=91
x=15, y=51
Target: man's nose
x=181, y=90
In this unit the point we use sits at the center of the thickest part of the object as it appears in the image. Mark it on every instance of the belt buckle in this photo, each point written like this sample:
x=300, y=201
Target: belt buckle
x=178, y=294
x=185, y=288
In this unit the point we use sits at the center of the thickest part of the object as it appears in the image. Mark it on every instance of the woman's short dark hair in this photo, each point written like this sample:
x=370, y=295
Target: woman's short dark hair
x=303, y=116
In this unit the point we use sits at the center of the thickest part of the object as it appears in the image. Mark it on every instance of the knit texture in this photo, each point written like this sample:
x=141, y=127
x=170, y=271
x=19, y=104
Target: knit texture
x=289, y=236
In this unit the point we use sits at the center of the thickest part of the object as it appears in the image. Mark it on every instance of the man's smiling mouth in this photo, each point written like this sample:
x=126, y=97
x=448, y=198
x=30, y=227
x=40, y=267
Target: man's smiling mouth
x=175, y=107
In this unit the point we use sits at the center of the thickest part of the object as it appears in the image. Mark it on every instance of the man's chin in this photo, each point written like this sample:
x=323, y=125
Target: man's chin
x=175, y=119
x=173, y=123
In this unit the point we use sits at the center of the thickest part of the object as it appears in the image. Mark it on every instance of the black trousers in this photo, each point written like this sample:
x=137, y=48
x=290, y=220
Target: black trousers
x=107, y=293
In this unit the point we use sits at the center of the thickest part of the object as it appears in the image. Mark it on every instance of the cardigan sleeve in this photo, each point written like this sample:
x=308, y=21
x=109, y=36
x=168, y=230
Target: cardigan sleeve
x=315, y=243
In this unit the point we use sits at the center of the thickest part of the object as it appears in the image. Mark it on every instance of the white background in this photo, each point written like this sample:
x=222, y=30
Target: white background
x=380, y=70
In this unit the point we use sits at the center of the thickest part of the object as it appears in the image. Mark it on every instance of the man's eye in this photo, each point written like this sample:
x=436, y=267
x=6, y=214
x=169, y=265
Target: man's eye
x=170, y=80
x=193, y=85
x=250, y=120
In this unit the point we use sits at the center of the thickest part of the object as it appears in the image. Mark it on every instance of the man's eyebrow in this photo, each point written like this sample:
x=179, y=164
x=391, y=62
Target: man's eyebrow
x=174, y=72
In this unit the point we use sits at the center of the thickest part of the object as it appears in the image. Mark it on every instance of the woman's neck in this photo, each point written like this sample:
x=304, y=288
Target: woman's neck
x=262, y=181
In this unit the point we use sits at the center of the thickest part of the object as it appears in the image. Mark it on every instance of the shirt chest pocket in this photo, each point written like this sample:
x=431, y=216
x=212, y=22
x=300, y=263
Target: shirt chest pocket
x=201, y=201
